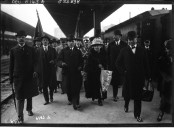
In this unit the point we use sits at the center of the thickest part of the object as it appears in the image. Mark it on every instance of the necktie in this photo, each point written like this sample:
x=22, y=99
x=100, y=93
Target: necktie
x=46, y=49
x=22, y=48
x=133, y=47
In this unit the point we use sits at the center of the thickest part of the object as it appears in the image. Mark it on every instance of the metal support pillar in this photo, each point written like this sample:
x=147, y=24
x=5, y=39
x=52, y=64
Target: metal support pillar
x=172, y=36
x=96, y=21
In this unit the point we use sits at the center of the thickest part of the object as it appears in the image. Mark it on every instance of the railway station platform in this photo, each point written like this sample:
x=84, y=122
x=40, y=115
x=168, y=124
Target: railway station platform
x=111, y=112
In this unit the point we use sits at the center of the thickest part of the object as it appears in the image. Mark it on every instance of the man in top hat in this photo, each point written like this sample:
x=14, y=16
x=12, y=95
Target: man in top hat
x=21, y=73
x=133, y=62
x=46, y=68
x=70, y=59
x=113, y=52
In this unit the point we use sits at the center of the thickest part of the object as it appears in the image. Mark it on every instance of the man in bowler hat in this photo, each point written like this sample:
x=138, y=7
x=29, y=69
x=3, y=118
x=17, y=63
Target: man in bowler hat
x=71, y=61
x=133, y=62
x=21, y=73
x=46, y=68
x=113, y=52
x=37, y=44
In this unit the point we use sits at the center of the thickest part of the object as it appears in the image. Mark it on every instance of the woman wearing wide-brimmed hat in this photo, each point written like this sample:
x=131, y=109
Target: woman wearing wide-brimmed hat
x=95, y=63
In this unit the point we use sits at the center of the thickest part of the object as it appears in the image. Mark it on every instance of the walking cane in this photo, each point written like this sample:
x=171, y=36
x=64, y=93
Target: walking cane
x=13, y=94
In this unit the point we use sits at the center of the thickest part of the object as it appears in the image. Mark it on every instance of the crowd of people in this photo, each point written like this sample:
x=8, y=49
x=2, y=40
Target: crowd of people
x=74, y=64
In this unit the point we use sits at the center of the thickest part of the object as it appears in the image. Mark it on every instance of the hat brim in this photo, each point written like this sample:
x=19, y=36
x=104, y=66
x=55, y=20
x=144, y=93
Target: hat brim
x=96, y=44
x=20, y=35
x=118, y=34
x=45, y=38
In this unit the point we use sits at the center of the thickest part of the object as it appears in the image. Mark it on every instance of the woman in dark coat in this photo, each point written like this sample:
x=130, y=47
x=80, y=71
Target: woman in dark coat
x=95, y=63
x=166, y=62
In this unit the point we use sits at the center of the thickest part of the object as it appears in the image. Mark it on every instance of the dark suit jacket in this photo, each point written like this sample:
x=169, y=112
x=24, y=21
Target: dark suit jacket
x=46, y=69
x=136, y=69
x=22, y=65
x=151, y=60
x=113, y=52
x=112, y=55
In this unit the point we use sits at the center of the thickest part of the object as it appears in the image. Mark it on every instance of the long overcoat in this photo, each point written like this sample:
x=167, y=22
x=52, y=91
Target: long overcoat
x=112, y=54
x=166, y=63
x=46, y=69
x=22, y=66
x=136, y=69
x=59, y=69
x=72, y=71
x=93, y=86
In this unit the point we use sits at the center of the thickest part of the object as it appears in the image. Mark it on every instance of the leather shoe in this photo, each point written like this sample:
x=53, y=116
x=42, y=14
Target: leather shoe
x=30, y=113
x=160, y=116
x=100, y=103
x=51, y=100
x=69, y=103
x=139, y=119
x=126, y=109
x=78, y=106
x=46, y=103
x=75, y=107
x=20, y=120
x=115, y=99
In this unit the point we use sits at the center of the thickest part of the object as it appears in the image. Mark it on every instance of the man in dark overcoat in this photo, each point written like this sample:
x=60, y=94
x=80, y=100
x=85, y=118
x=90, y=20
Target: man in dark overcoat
x=46, y=68
x=133, y=61
x=149, y=53
x=113, y=52
x=21, y=73
x=37, y=45
x=70, y=59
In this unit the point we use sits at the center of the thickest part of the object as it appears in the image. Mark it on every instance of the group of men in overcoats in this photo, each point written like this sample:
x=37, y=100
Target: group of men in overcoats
x=128, y=60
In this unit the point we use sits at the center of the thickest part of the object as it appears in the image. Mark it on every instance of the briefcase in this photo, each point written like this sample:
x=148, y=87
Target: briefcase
x=148, y=92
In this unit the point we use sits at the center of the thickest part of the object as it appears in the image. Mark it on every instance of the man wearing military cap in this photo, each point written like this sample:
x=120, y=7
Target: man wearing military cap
x=133, y=62
x=46, y=68
x=113, y=52
x=21, y=73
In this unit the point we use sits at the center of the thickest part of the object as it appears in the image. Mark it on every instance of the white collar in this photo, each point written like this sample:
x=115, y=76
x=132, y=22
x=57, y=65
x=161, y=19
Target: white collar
x=45, y=46
x=147, y=47
x=117, y=42
x=134, y=45
x=72, y=48
x=22, y=45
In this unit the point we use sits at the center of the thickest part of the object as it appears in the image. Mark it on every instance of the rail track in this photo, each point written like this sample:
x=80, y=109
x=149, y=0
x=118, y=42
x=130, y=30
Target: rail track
x=6, y=92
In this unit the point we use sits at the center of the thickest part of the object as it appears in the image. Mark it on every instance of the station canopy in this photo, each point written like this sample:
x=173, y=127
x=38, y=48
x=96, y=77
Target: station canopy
x=71, y=16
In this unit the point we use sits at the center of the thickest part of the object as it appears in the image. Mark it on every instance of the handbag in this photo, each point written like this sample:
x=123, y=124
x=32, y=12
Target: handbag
x=148, y=92
x=105, y=79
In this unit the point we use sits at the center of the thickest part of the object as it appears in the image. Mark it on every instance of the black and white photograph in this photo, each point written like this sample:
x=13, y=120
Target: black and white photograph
x=83, y=63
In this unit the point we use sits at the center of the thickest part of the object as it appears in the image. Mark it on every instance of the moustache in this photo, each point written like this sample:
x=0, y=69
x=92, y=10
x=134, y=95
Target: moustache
x=21, y=40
